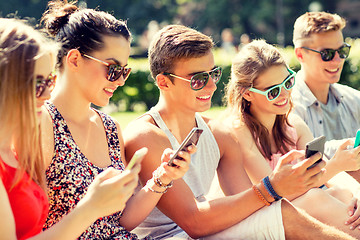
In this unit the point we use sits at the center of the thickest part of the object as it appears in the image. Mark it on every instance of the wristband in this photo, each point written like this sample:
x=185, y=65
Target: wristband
x=260, y=196
x=153, y=190
x=159, y=183
x=270, y=189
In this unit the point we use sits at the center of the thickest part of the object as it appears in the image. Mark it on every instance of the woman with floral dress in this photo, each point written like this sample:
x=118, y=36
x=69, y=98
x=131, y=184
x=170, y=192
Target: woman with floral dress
x=79, y=141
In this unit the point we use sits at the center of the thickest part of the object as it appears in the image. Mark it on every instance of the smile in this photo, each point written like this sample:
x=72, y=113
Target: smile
x=204, y=97
x=282, y=103
x=110, y=90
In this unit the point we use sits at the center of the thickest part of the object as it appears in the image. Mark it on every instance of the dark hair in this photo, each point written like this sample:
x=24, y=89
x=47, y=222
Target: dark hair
x=81, y=29
x=253, y=60
x=175, y=42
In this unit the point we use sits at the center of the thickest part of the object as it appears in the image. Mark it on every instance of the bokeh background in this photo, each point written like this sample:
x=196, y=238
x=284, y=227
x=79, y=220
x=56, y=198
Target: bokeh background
x=231, y=23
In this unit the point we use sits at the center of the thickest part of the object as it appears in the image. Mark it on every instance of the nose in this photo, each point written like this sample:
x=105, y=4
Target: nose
x=46, y=94
x=120, y=81
x=211, y=84
x=337, y=57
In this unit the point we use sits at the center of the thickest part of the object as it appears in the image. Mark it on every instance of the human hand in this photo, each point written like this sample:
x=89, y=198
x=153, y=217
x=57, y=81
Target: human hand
x=347, y=159
x=110, y=191
x=288, y=179
x=168, y=173
x=354, y=213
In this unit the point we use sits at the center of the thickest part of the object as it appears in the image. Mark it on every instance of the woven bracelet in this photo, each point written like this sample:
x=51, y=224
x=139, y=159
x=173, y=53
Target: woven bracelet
x=270, y=189
x=159, y=183
x=153, y=190
x=260, y=196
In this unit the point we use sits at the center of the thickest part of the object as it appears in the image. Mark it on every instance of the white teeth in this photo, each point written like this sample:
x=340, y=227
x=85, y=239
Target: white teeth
x=204, y=97
x=333, y=70
x=282, y=102
x=109, y=90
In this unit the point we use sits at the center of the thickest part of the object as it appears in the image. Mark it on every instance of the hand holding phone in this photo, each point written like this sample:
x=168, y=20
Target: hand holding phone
x=191, y=138
x=357, y=138
x=314, y=146
x=137, y=157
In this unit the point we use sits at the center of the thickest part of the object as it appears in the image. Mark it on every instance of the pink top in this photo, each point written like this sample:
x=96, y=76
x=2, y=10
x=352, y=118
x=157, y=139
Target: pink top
x=276, y=156
x=28, y=202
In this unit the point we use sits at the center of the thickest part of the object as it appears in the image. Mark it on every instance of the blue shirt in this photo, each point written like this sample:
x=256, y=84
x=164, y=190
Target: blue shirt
x=337, y=120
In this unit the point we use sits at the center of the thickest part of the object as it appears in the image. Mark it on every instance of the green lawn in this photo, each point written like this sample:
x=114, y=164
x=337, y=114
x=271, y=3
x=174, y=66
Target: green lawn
x=125, y=117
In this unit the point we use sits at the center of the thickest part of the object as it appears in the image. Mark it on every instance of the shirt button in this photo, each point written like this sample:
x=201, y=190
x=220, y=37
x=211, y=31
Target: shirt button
x=316, y=104
x=320, y=122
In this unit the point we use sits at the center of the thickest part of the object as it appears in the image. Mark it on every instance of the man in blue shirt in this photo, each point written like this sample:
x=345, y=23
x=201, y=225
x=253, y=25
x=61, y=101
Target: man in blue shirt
x=328, y=108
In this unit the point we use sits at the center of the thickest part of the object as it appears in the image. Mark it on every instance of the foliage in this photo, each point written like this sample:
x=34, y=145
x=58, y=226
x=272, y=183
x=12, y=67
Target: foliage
x=140, y=87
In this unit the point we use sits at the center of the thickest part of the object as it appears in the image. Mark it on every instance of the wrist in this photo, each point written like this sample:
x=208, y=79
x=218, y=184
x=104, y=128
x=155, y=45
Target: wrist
x=162, y=180
x=270, y=189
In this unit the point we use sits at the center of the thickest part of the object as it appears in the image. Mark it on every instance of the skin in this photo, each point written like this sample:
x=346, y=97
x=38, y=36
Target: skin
x=318, y=75
x=82, y=82
x=177, y=106
x=257, y=167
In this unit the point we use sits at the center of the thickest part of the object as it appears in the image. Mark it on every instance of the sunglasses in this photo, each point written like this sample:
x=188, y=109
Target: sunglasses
x=42, y=83
x=274, y=92
x=329, y=54
x=199, y=80
x=114, y=71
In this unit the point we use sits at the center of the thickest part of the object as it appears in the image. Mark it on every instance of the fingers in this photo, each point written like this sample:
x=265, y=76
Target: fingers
x=345, y=144
x=354, y=213
x=307, y=164
x=290, y=156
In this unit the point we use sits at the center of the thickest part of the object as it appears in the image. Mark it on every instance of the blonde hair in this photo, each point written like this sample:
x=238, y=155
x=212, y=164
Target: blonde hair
x=254, y=59
x=20, y=47
x=315, y=22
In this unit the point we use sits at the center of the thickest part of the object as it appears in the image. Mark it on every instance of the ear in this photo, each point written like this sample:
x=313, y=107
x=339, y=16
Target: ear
x=299, y=54
x=248, y=96
x=163, y=82
x=72, y=58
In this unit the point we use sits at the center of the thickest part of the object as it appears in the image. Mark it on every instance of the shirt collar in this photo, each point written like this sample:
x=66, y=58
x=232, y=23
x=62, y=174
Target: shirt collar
x=309, y=98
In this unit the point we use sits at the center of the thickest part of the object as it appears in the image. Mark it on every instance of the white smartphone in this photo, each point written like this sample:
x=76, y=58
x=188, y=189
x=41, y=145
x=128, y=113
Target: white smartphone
x=191, y=138
x=137, y=157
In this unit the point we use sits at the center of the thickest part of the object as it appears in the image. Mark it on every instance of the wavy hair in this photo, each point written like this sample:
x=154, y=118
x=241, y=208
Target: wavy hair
x=254, y=59
x=20, y=47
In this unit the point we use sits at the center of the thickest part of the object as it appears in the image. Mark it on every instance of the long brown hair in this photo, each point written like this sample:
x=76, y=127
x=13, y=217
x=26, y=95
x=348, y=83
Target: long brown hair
x=20, y=47
x=253, y=59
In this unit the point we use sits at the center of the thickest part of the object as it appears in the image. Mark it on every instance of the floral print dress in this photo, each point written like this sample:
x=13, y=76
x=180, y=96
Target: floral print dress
x=70, y=173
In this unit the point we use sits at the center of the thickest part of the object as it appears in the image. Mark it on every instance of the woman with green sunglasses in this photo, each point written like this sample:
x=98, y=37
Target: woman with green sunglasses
x=258, y=111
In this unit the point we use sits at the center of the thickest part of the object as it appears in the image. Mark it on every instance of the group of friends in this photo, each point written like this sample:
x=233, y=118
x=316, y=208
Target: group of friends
x=63, y=163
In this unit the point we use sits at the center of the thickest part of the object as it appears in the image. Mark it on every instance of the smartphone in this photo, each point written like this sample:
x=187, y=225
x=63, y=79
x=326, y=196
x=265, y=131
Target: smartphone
x=137, y=157
x=357, y=138
x=191, y=138
x=314, y=146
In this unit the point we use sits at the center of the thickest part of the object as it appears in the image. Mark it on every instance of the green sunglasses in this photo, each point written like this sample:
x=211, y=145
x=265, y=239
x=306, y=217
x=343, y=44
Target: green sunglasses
x=274, y=92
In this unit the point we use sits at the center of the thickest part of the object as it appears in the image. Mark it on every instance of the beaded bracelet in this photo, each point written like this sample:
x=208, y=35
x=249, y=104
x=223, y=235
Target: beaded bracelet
x=259, y=194
x=270, y=189
x=153, y=190
x=159, y=183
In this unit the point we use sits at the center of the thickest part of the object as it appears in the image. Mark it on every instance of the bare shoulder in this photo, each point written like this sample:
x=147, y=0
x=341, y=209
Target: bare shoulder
x=296, y=121
x=143, y=132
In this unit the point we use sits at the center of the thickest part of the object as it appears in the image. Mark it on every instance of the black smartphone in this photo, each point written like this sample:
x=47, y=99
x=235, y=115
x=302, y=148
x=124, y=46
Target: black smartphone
x=314, y=146
x=357, y=138
x=191, y=138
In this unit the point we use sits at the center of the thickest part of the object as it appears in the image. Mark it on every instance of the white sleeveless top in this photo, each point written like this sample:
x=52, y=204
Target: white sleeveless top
x=199, y=178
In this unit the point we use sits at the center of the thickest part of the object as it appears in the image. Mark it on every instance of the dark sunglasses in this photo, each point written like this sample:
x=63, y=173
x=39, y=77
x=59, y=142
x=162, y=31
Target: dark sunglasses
x=42, y=83
x=114, y=71
x=329, y=54
x=199, y=80
x=274, y=92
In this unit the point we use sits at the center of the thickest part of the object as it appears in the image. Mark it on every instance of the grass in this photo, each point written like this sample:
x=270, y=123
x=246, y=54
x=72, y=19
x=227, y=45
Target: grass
x=125, y=117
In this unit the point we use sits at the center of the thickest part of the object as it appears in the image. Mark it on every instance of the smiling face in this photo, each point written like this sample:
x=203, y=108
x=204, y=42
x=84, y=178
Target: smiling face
x=116, y=50
x=316, y=70
x=181, y=92
x=260, y=105
x=44, y=65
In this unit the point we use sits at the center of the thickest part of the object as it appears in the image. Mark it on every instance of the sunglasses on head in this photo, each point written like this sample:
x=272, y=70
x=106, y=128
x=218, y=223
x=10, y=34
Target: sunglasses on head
x=329, y=54
x=274, y=92
x=114, y=71
x=199, y=80
x=42, y=83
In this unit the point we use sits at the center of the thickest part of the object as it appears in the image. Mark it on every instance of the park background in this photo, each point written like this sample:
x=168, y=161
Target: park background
x=226, y=21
